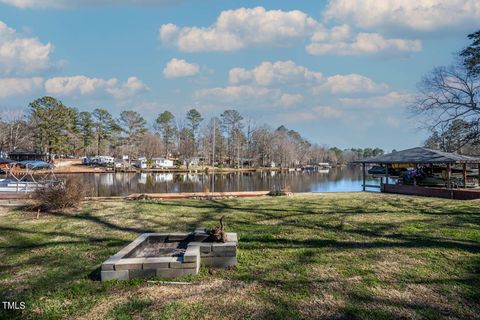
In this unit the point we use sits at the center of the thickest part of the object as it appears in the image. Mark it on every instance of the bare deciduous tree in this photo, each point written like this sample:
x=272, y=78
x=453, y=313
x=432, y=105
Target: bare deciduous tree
x=447, y=95
x=15, y=132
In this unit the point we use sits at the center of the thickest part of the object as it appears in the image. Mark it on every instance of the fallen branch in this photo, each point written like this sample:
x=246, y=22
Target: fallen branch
x=218, y=233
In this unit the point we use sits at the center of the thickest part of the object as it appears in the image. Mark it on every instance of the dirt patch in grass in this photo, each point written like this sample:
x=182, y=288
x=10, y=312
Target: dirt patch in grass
x=325, y=306
x=217, y=297
x=392, y=264
x=418, y=299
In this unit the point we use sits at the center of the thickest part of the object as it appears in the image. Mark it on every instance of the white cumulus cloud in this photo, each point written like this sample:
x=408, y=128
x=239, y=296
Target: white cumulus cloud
x=250, y=96
x=131, y=88
x=280, y=72
x=247, y=27
x=350, y=83
x=81, y=85
x=77, y=85
x=19, y=86
x=390, y=100
x=362, y=44
x=416, y=15
x=22, y=55
x=271, y=74
x=177, y=68
x=288, y=100
x=237, y=29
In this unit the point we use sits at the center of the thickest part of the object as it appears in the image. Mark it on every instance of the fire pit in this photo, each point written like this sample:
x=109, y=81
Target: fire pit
x=170, y=255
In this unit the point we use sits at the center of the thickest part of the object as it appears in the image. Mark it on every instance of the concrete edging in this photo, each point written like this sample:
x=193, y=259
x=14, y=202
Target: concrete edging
x=121, y=267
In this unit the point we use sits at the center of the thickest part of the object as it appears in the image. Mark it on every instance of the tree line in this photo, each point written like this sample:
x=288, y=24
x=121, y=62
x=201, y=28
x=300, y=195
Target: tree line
x=55, y=129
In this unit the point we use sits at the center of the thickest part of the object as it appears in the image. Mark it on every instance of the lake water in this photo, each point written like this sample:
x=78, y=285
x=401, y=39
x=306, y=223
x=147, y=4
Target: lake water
x=342, y=179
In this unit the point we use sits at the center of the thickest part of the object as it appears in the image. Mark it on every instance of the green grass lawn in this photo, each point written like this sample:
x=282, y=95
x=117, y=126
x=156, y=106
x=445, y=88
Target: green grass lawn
x=353, y=256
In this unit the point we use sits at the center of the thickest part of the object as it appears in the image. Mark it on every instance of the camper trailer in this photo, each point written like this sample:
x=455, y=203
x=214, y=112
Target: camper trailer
x=98, y=161
x=105, y=160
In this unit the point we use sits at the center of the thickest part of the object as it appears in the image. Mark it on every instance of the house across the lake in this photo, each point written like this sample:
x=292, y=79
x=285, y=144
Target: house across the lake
x=24, y=155
x=162, y=163
x=141, y=163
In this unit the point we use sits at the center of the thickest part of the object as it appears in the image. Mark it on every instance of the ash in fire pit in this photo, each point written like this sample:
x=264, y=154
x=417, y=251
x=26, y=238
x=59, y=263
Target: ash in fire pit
x=170, y=255
x=160, y=249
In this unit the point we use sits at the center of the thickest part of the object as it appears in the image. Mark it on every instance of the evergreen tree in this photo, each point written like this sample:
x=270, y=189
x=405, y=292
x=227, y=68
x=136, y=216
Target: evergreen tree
x=471, y=55
x=53, y=124
x=132, y=125
x=104, y=127
x=165, y=124
x=85, y=130
x=194, y=118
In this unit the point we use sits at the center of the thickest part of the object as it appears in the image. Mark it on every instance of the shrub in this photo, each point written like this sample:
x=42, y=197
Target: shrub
x=64, y=195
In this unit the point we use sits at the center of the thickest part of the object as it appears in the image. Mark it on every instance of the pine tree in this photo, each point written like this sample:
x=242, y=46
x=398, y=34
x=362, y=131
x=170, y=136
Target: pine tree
x=104, y=127
x=53, y=124
x=165, y=124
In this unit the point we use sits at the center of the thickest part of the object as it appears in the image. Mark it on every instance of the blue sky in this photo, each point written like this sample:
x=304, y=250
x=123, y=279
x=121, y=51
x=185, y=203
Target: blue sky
x=341, y=72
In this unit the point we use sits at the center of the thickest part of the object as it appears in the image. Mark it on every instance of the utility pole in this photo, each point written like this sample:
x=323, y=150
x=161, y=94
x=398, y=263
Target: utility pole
x=213, y=156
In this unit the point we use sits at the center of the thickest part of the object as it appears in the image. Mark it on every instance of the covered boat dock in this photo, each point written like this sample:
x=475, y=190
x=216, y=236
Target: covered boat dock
x=413, y=167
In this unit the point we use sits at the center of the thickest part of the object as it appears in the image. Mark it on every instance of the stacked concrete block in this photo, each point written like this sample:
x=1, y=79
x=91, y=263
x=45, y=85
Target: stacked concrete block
x=125, y=265
x=220, y=255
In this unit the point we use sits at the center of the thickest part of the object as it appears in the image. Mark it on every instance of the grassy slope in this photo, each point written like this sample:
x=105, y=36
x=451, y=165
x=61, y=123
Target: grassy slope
x=338, y=255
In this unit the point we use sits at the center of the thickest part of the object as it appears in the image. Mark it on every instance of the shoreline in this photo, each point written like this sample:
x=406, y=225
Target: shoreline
x=172, y=195
x=180, y=171
x=180, y=195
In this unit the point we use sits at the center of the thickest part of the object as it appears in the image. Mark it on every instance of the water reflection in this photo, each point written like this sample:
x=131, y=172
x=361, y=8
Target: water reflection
x=122, y=184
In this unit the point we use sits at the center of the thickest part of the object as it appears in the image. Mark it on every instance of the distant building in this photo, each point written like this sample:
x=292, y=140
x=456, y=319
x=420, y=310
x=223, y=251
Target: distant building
x=195, y=161
x=141, y=163
x=23, y=155
x=162, y=163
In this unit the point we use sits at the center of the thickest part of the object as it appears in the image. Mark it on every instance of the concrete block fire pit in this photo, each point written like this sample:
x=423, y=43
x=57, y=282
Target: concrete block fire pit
x=170, y=255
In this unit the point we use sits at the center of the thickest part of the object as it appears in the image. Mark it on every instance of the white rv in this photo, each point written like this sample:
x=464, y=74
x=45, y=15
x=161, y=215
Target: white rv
x=105, y=160
x=98, y=160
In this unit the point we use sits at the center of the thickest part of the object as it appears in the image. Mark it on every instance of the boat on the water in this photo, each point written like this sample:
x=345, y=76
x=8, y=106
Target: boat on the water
x=17, y=186
x=21, y=177
x=380, y=171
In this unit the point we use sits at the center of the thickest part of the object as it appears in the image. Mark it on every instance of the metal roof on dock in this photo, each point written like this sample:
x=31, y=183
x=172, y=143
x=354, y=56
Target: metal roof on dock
x=420, y=155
